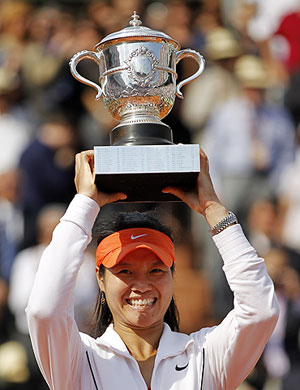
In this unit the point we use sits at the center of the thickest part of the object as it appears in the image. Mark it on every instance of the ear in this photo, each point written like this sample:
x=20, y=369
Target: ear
x=100, y=282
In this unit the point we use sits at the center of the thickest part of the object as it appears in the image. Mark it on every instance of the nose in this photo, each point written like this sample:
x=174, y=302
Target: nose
x=141, y=285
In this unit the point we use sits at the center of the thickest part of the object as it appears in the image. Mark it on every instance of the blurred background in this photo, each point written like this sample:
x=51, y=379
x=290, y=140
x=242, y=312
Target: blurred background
x=244, y=111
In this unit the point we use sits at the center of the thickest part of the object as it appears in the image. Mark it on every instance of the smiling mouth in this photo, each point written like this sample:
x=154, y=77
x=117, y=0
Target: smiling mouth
x=141, y=302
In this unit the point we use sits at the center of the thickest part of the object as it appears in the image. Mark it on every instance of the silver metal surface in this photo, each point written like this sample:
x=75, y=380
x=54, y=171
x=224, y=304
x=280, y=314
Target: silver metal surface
x=134, y=31
x=137, y=73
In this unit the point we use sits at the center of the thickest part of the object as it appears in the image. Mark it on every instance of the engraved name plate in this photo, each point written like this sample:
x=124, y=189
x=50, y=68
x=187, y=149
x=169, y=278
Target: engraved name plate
x=147, y=159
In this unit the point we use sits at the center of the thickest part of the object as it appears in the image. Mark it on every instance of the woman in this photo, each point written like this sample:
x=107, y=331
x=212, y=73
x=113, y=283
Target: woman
x=134, y=270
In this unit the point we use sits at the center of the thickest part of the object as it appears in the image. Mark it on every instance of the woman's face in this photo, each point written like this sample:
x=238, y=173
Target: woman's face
x=138, y=290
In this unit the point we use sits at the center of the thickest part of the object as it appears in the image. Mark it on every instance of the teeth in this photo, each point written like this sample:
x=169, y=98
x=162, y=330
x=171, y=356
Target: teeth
x=141, y=302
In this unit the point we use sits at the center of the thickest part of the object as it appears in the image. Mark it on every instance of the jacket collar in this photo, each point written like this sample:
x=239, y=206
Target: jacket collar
x=171, y=343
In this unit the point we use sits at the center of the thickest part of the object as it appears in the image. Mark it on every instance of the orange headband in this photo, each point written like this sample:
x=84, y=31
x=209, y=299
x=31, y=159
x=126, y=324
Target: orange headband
x=114, y=247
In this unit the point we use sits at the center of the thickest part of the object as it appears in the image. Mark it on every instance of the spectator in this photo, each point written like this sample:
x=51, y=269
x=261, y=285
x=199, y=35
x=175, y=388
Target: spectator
x=14, y=129
x=41, y=60
x=11, y=222
x=11, y=232
x=289, y=30
x=282, y=353
x=22, y=276
x=103, y=15
x=268, y=16
x=13, y=365
x=289, y=202
x=209, y=17
x=125, y=9
x=14, y=16
x=25, y=267
x=47, y=170
x=217, y=84
x=248, y=140
x=262, y=221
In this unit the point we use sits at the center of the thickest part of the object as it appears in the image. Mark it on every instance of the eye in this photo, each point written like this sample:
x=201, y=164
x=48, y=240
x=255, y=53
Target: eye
x=157, y=270
x=124, y=271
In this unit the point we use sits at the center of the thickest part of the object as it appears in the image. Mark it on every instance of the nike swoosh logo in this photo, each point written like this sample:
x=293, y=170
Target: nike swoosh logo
x=135, y=237
x=177, y=368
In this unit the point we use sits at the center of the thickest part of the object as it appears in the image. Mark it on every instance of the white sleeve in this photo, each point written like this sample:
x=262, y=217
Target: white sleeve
x=53, y=331
x=234, y=346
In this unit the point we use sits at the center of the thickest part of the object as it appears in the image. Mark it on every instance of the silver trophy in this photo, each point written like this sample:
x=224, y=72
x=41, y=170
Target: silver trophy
x=137, y=68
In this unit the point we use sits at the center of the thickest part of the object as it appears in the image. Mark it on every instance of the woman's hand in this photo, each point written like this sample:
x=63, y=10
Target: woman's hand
x=203, y=199
x=85, y=180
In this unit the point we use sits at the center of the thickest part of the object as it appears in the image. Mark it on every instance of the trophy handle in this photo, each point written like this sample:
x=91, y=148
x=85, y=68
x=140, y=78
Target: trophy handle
x=85, y=54
x=198, y=58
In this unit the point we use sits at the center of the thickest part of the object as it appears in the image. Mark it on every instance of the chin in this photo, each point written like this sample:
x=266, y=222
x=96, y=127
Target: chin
x=143, y=322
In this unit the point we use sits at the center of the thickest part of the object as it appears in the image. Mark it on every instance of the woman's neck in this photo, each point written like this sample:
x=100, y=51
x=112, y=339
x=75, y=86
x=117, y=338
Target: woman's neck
x=141, y=343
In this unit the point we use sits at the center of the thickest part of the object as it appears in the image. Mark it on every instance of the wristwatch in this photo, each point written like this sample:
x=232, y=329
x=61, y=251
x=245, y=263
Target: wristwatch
x=229, y=220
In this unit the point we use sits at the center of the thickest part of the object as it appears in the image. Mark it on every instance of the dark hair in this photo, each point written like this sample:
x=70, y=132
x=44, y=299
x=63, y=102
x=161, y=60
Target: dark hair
x=127, y=220
x=102, y=316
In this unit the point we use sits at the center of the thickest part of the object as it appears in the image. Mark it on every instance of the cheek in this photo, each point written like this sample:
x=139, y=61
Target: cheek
x=167, y=288
x=114, y=289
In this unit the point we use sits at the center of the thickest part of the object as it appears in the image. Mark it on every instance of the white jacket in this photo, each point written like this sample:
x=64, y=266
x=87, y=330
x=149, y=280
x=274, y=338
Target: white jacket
x=216, y=358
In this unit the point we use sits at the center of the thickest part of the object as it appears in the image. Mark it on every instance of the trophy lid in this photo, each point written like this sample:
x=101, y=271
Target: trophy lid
x=136, y=30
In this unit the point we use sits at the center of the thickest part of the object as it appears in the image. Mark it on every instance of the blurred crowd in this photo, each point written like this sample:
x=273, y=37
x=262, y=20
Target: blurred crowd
x=244, y=111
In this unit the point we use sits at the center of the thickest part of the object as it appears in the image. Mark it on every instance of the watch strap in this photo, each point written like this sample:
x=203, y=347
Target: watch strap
x=229, y=220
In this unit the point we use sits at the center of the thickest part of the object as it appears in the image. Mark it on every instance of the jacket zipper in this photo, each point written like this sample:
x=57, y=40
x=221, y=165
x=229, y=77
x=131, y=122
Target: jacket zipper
x=95, y=383
x=203, y=363
x=90, y=366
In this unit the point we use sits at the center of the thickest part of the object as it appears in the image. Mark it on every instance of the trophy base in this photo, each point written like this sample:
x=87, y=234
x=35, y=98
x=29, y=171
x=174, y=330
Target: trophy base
x=142, y=171
x=145, y=187
x=141, y=134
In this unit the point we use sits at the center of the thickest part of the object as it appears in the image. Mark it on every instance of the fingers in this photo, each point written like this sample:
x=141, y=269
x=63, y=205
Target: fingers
x=84, y=172
x=174, y=191
x=190, y=198
x=85, y=156
x=85, y=183
x=105, y=198
x=204, y=166
x=84, y=162
x=117, y=196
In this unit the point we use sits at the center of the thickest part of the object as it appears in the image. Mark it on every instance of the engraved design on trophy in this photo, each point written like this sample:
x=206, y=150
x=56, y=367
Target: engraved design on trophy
x=142, y=67
x=137, y=82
